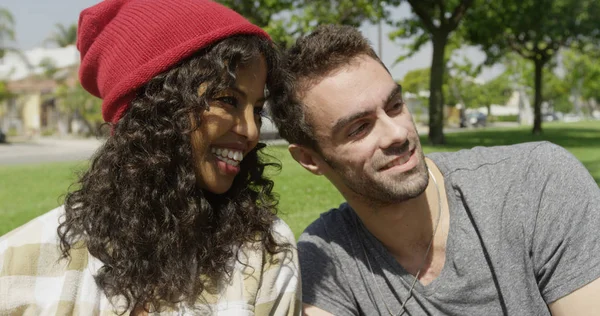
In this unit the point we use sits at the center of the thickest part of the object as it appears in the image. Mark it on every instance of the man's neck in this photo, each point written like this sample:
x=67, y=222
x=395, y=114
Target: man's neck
x=406, y=228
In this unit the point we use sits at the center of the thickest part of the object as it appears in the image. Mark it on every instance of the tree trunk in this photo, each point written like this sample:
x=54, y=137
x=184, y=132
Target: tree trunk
x=436, y=97
x=537, y=103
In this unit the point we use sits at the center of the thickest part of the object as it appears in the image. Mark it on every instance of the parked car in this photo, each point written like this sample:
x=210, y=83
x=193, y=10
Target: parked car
x=572, y=117
x=474, y=119
x=2, y=137
x=549, y=117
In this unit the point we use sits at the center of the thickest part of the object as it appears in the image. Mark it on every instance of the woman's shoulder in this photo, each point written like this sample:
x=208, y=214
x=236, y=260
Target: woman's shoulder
x=269, y=283
x=32, y=267
x=282, y=232
x=33, y=249
x=40, y=230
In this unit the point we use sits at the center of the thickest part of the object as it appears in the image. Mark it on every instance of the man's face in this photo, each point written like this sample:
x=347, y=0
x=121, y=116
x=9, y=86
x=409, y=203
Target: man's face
x=368, y=142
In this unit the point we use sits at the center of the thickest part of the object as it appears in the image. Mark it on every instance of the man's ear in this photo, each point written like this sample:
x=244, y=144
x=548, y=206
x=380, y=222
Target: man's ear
x=308, y=158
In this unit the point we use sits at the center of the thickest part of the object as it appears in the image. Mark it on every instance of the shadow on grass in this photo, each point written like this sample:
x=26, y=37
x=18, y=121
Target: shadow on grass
x=563, y=136
x=594, y=167
x=581, y=141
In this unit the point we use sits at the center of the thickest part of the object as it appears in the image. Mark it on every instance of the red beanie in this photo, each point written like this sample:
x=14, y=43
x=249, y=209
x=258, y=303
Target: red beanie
x=125, y=43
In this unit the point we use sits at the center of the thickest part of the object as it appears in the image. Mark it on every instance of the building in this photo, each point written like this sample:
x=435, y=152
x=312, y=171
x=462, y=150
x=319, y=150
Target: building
x=32, y=110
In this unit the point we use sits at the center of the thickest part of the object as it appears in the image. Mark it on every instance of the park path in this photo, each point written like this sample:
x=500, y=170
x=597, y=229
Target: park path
x=47, y=150
x=50, y=149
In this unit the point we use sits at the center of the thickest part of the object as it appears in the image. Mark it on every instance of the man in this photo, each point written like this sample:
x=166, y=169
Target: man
x=490, y=231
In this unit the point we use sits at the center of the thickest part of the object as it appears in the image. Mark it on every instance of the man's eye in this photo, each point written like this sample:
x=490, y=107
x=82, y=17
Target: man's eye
x=228, y=100
x=396, y=107
x=356, y=131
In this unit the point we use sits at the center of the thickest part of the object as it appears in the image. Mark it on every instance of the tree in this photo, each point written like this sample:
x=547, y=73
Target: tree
x=536, y=30
x=7, y=35
x=263, y=13
x=582, y=72
x=434, y=20
x=64, y=35
x=7, y=30
x=72, y=100
x=556, y=92
x=285, y=20
x=416, y=80
x=4, y=95
x=49, y=67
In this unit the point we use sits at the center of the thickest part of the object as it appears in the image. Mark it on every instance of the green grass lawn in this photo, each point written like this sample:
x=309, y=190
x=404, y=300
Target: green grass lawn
x=27, y=191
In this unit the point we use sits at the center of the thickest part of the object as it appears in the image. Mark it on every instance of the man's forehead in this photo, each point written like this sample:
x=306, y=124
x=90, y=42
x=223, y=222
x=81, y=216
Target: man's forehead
x=357, y=88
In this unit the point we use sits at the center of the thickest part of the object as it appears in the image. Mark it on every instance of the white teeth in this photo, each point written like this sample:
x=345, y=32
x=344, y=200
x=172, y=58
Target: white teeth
x=234, y=156
x=398, y=162
x=229, y=161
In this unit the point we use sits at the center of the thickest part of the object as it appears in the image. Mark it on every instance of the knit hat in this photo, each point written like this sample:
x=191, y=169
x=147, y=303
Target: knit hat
x=125, y=43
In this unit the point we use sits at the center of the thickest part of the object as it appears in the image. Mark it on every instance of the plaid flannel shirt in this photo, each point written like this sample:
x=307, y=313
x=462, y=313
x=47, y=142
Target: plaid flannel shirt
x=33, y=281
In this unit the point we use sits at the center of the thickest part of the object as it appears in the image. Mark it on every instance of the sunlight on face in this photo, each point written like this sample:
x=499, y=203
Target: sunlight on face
x=230, y=129
x=366, y=134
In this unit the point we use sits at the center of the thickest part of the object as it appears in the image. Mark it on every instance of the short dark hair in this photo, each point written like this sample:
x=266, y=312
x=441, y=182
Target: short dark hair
x=312, y=58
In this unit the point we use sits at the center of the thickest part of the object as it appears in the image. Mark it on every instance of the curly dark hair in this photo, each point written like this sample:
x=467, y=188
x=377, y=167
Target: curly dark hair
x=139, y=209
x=309, y=60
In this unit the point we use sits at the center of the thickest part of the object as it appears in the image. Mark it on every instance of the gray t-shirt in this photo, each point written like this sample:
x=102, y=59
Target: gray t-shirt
x=524, y=232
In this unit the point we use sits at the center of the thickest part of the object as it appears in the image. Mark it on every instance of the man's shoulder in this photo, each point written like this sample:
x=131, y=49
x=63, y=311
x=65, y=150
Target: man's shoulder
x=473, y=159
x=330, y=226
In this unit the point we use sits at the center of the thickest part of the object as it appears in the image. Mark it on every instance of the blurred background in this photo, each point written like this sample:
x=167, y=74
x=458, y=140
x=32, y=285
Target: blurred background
x=474, y=72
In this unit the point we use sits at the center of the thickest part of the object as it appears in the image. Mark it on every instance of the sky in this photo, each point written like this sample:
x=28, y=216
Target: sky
x=35, y=21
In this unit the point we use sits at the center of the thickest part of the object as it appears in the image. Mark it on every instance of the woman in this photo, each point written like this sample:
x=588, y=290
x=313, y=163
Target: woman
x=174, y=214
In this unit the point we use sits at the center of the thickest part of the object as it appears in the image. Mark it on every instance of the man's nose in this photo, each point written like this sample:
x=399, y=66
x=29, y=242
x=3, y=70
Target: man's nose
x=392, y=132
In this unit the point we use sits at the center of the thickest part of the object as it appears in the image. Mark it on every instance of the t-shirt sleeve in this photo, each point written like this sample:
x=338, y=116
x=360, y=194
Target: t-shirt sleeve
x=566, y=240
x=324, y=284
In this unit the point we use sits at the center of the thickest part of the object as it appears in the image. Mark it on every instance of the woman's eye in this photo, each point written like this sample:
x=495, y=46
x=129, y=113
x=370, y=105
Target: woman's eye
x=228, y=100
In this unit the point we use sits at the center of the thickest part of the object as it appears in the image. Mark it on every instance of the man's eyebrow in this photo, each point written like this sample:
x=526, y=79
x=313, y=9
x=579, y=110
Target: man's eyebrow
x=397, y=91
x=345, y=120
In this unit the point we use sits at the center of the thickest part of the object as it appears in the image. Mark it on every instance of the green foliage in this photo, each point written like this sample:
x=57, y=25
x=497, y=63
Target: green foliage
x=582, y=71
x=64, y=35
x=4, y=92
x=460, y=86
x=285, y=20
x=7, y=26
x=435, y=21
x=429, y=17
x=556, y=92
x=7, y=35
x=416, y=80
x=49, y=66
x=4, y=95
x=312, y=13
x=534, y=29
x=504, y=118
x=76, y=99
x=264, y=14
